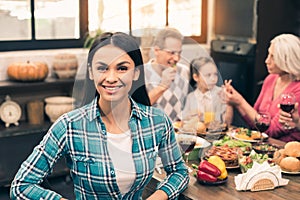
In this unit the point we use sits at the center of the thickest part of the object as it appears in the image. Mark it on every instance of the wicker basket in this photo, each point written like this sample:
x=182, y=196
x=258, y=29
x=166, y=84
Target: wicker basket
x=263, y=184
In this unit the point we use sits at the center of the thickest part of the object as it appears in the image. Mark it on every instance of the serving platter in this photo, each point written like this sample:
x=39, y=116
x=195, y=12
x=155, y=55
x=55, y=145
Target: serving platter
x=212, y=135
x=292, y=173
x=233, y=167
x=234, y=135
x=219, y=182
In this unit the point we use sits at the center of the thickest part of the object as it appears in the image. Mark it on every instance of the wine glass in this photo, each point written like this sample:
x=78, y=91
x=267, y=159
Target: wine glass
x=287, y=103
x=187, y=138
x=262, y=123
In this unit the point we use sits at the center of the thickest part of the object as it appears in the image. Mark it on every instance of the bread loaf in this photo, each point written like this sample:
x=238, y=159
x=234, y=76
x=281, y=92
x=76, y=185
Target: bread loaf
x=290, y=164
x=292, y=149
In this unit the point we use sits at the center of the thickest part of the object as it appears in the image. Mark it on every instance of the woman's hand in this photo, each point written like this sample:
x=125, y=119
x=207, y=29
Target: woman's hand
x=290, y=119
x=232, y=97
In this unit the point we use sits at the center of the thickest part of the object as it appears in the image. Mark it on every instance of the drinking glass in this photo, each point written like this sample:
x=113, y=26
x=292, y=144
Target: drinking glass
x=262, y=123
x=187, y=138
x=287, y=103
x=209, y=114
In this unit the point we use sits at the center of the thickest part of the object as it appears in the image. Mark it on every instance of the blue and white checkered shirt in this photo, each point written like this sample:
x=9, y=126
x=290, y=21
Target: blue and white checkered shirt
x=80, y=136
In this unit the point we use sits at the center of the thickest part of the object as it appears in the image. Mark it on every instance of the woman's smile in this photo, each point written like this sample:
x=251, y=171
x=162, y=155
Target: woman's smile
x=112, y=88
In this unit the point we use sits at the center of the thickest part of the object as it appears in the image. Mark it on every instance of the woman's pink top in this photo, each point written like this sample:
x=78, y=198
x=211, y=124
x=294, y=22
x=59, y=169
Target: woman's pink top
x=265, y=102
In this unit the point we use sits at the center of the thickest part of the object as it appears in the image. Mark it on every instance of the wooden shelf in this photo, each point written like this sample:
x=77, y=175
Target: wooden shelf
x=49, y=82
x=23, y=129
x=24, y=92
x=17, y=142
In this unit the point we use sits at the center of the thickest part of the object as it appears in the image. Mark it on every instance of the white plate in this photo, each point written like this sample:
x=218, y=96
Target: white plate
x=285, y=172
x=202, y=143
x=233, y=167
x=233, y=134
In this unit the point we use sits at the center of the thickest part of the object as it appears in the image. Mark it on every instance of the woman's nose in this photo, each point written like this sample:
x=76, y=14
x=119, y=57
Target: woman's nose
x=111, y=76
x=267, y=59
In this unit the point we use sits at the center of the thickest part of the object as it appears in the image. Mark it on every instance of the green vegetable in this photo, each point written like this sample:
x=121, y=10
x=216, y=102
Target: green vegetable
x=231, y=142
x=249, y=133
x=246, y=162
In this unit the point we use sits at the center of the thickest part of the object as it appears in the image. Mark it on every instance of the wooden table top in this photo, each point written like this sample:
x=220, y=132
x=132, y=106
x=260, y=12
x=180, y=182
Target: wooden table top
x=228, y=191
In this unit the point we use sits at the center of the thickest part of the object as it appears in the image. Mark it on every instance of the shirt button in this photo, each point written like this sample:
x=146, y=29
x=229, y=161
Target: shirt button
x=112, y=172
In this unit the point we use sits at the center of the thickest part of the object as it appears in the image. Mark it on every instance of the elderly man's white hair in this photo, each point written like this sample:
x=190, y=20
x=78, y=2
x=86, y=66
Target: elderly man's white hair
x=287, y=54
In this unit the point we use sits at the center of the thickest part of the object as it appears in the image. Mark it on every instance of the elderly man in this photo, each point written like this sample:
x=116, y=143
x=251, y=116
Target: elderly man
x=167, y=81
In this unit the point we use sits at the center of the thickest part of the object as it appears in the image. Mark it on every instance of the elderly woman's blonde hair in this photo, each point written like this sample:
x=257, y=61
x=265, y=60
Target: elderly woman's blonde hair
x=287, y=54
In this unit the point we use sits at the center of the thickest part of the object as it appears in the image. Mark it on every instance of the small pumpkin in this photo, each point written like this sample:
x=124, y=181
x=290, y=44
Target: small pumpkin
x=28, y=71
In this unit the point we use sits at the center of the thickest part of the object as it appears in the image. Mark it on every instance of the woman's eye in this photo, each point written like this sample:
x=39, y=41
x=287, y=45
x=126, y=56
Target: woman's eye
x=122, y=68
x=102, y=68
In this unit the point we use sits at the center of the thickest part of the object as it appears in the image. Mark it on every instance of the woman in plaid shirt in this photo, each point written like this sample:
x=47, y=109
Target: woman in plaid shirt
x=111, y=142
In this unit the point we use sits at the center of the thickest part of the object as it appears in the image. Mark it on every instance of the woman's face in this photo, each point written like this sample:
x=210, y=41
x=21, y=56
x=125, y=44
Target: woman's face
x=207, y=77
x=113, y=72
x=271, y=66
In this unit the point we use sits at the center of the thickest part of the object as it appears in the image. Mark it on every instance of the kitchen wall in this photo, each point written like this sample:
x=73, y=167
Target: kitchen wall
x=47, y=56
x=190, y=51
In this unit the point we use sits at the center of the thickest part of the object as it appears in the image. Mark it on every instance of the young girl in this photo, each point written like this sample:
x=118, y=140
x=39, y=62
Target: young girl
x=111, y=143
x=207, y=96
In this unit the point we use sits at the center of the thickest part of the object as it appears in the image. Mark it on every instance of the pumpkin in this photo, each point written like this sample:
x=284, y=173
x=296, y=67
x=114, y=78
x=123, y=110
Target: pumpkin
x=28, y=71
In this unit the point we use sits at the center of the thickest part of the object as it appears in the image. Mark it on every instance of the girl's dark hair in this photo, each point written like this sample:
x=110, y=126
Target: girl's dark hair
x=195, y=66
x=128, y=44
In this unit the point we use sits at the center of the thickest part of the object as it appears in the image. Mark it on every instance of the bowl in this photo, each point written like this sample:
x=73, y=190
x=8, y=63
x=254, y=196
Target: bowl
x=65, y=74
x=201, y=149
x=58, y=105
x=265, y=148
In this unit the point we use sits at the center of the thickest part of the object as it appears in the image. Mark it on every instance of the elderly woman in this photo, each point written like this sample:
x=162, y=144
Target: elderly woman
x=283, y=64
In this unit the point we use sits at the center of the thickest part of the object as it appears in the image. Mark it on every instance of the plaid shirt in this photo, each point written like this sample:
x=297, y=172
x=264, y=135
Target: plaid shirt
x=80, y=136
x=173, y=99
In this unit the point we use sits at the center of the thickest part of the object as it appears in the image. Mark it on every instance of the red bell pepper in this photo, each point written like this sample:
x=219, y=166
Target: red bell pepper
x=201, y=175
x=209, y=168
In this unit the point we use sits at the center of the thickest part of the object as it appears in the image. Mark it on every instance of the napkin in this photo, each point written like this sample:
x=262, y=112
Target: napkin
x=260, y=177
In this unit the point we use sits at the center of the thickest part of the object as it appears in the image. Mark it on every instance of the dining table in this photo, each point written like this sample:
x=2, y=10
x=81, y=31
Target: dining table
x=227, y=190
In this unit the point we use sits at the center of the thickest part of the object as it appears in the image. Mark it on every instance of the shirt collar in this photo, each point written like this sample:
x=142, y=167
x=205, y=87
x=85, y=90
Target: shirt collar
x=208, y=94
x=94, y=110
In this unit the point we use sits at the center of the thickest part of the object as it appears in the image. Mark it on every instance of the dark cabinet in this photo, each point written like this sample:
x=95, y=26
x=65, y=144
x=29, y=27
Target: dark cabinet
x=274, y=18
x=17, y=142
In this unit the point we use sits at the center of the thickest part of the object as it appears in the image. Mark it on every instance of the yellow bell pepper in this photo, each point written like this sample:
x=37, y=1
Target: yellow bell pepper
x=219, y=163
x=223, y=175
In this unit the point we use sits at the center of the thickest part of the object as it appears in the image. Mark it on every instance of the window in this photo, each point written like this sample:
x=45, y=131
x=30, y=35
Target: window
x=42, y=24
x=188, y=16
x=49, y=24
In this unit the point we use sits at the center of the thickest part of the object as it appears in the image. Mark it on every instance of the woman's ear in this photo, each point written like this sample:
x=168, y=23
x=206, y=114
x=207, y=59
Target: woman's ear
x=136, y=74
x=195, y=77
x=90, y=73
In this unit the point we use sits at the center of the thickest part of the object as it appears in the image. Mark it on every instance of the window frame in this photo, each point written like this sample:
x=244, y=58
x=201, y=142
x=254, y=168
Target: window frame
x=187, y=39
x=34, y=44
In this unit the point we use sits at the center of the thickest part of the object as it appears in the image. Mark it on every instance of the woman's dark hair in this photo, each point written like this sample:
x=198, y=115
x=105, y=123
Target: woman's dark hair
x=128, y=44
